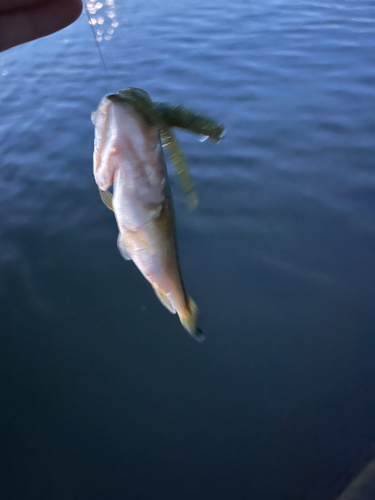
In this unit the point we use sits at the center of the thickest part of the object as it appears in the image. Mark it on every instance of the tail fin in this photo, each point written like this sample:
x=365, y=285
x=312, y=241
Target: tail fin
x=189, y=319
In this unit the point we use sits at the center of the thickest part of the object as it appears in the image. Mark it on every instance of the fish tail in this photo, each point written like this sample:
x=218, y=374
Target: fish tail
x=189, y=320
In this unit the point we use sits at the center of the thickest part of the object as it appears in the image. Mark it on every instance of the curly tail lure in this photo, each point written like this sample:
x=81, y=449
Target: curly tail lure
x=166, y=117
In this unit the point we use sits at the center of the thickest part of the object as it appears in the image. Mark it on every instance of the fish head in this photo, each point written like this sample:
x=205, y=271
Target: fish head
x=137, y=98
x=125, y=141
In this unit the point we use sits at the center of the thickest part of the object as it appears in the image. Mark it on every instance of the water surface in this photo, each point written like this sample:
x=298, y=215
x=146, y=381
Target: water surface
x=103, y=395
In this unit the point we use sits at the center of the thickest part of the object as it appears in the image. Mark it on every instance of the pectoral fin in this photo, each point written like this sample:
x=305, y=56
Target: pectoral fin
x=121, y=246
x=179, y=163
x=106, y=197
x=164, y=299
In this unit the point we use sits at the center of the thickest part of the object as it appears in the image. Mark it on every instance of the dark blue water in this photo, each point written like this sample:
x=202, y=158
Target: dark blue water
x=103, y=395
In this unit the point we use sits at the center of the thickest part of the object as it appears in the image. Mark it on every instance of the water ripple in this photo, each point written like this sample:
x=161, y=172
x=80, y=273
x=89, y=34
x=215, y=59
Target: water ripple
x=293, y=83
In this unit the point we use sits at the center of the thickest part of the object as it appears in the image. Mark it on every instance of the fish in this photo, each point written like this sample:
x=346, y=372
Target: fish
x=128, y=155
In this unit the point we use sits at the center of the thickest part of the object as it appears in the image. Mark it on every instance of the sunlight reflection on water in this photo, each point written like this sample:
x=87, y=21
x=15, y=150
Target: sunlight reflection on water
x=102, y=18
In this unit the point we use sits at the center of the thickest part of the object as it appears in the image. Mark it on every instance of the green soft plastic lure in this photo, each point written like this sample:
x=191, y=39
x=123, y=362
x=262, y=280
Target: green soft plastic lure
x=166, y=116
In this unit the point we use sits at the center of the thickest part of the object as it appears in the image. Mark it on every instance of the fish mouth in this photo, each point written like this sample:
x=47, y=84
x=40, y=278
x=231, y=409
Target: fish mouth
x=25, y=20
x=114, y=98
x=138, y=99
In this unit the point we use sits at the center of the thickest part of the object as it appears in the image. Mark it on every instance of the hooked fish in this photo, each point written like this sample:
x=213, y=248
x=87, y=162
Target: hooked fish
x=128, y=154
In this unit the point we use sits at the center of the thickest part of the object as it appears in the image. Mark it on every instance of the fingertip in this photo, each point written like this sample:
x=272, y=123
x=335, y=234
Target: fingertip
x=23, y=24
x=74, y=11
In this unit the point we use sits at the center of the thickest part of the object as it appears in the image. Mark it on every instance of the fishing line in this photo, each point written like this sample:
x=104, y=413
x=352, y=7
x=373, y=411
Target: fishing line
x=96, y=41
